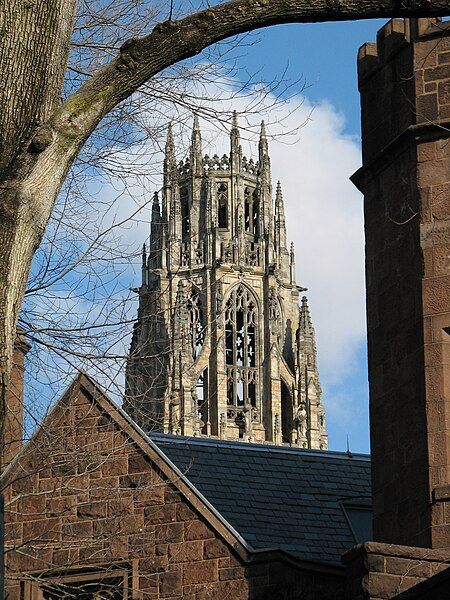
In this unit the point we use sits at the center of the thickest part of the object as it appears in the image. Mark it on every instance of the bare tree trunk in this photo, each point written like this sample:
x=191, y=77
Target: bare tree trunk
x=35, y=39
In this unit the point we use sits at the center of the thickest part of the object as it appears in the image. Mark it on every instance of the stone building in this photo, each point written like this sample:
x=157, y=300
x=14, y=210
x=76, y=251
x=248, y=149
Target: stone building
x=96, y=507
x=221, y=347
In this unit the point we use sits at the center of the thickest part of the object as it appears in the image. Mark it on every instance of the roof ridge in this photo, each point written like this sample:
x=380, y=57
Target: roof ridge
x=254, y=447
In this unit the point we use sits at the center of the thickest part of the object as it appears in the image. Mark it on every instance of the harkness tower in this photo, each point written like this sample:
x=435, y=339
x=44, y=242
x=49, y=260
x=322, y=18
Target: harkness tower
x=220, y=346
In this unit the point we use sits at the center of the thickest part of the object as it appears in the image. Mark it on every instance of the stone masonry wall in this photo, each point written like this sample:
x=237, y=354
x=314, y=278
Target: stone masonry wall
x=383, y=571
x=404, y=82
x=84, y=496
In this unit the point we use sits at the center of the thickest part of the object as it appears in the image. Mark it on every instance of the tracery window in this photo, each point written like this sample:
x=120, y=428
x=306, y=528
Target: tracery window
x=222, y=201
x=196, y=322
x=241, y=317
x=251, y=211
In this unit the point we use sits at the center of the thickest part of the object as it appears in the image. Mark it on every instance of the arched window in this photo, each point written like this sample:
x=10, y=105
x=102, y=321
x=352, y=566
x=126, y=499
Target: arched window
x=241, y=320
x=251, y=211
x=185, y=218
x=196, y=322
x=222, y=199
x=286, y=414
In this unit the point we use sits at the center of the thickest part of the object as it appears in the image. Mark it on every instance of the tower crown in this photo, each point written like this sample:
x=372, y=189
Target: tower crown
x=219, y=307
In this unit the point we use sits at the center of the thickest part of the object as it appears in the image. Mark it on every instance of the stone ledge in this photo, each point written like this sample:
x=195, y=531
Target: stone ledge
x=442, y=492
x=440, y=555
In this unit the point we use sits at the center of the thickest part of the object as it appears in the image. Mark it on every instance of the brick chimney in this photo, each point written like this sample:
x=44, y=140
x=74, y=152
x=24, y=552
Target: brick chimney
x=14, y=411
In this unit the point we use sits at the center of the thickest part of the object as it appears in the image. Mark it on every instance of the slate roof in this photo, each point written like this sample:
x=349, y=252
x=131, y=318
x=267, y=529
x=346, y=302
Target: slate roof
x=280, y=497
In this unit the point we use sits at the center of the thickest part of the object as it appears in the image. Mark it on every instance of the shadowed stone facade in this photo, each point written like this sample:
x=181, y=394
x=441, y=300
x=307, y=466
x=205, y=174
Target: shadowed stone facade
x=221, y=347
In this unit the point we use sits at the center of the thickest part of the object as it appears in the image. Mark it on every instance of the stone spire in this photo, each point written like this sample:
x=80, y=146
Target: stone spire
x=155, y=234
x=235, y=144
x=306, y=327
x=169, y=159
x=263, y=145
x=310, y=388
x=196, y=148
x=280, y=220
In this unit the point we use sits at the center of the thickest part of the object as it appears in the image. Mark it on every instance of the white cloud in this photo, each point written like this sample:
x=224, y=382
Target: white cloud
x=323, y=210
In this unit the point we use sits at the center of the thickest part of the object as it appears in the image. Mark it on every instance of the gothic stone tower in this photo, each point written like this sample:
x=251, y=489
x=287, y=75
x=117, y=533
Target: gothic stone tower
x=221, y=347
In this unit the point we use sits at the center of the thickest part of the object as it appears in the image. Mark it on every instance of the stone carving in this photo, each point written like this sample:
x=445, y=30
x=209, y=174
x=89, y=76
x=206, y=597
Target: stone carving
x=219, y=235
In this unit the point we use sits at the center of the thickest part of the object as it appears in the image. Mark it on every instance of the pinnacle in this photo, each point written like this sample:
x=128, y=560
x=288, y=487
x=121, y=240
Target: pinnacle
x=279, y=191
x=196, y=122
x=263, y=129
x=305, y=317
x=170, y=149
x=235, y=120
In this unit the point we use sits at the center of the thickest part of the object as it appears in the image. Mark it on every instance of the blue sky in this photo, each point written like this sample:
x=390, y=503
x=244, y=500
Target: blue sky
x=324, y=210
x=324, y=55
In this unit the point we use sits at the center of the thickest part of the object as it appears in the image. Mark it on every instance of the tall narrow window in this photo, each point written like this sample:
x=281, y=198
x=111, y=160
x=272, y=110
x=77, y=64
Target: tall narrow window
x=196, y=322
x=185, y=218
x=202, y=400
x=251, y=211
x=222, y=199
x=255, y=213
x=241, y=343
x=247, y=209
x=286, y=413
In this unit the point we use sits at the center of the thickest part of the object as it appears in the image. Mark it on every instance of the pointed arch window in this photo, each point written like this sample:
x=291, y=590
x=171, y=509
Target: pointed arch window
x=241, y=338
x=196, y=322
x=251, y=211
x=222, y=201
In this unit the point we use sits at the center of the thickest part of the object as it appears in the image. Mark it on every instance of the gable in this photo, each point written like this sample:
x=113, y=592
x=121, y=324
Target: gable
x=83, y=498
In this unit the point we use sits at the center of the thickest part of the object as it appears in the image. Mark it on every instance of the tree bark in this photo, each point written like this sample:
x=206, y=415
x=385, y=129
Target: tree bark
x=40, y=141
x=35, y=38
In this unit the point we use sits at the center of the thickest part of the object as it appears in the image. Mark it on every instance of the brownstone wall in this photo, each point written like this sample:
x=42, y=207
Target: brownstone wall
x=404, y=82
x=84, y=495
x=14, y=415
x=383, y=571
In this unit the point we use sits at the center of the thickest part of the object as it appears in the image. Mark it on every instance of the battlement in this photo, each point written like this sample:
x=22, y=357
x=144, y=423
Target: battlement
x=218, y=164
x=404, y=83
x=395, y=35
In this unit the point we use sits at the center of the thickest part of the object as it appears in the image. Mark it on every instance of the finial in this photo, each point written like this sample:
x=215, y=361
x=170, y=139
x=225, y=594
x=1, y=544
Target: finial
x=234, y=122
x=263, y=145
x=169, y=139
x=196, y=147
x=155, y=208
x=169, y=159
x=305, y=317
x=235, y=144
x=279, y=192
x=196, y=123
x=292, y=248
x=263, y=129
